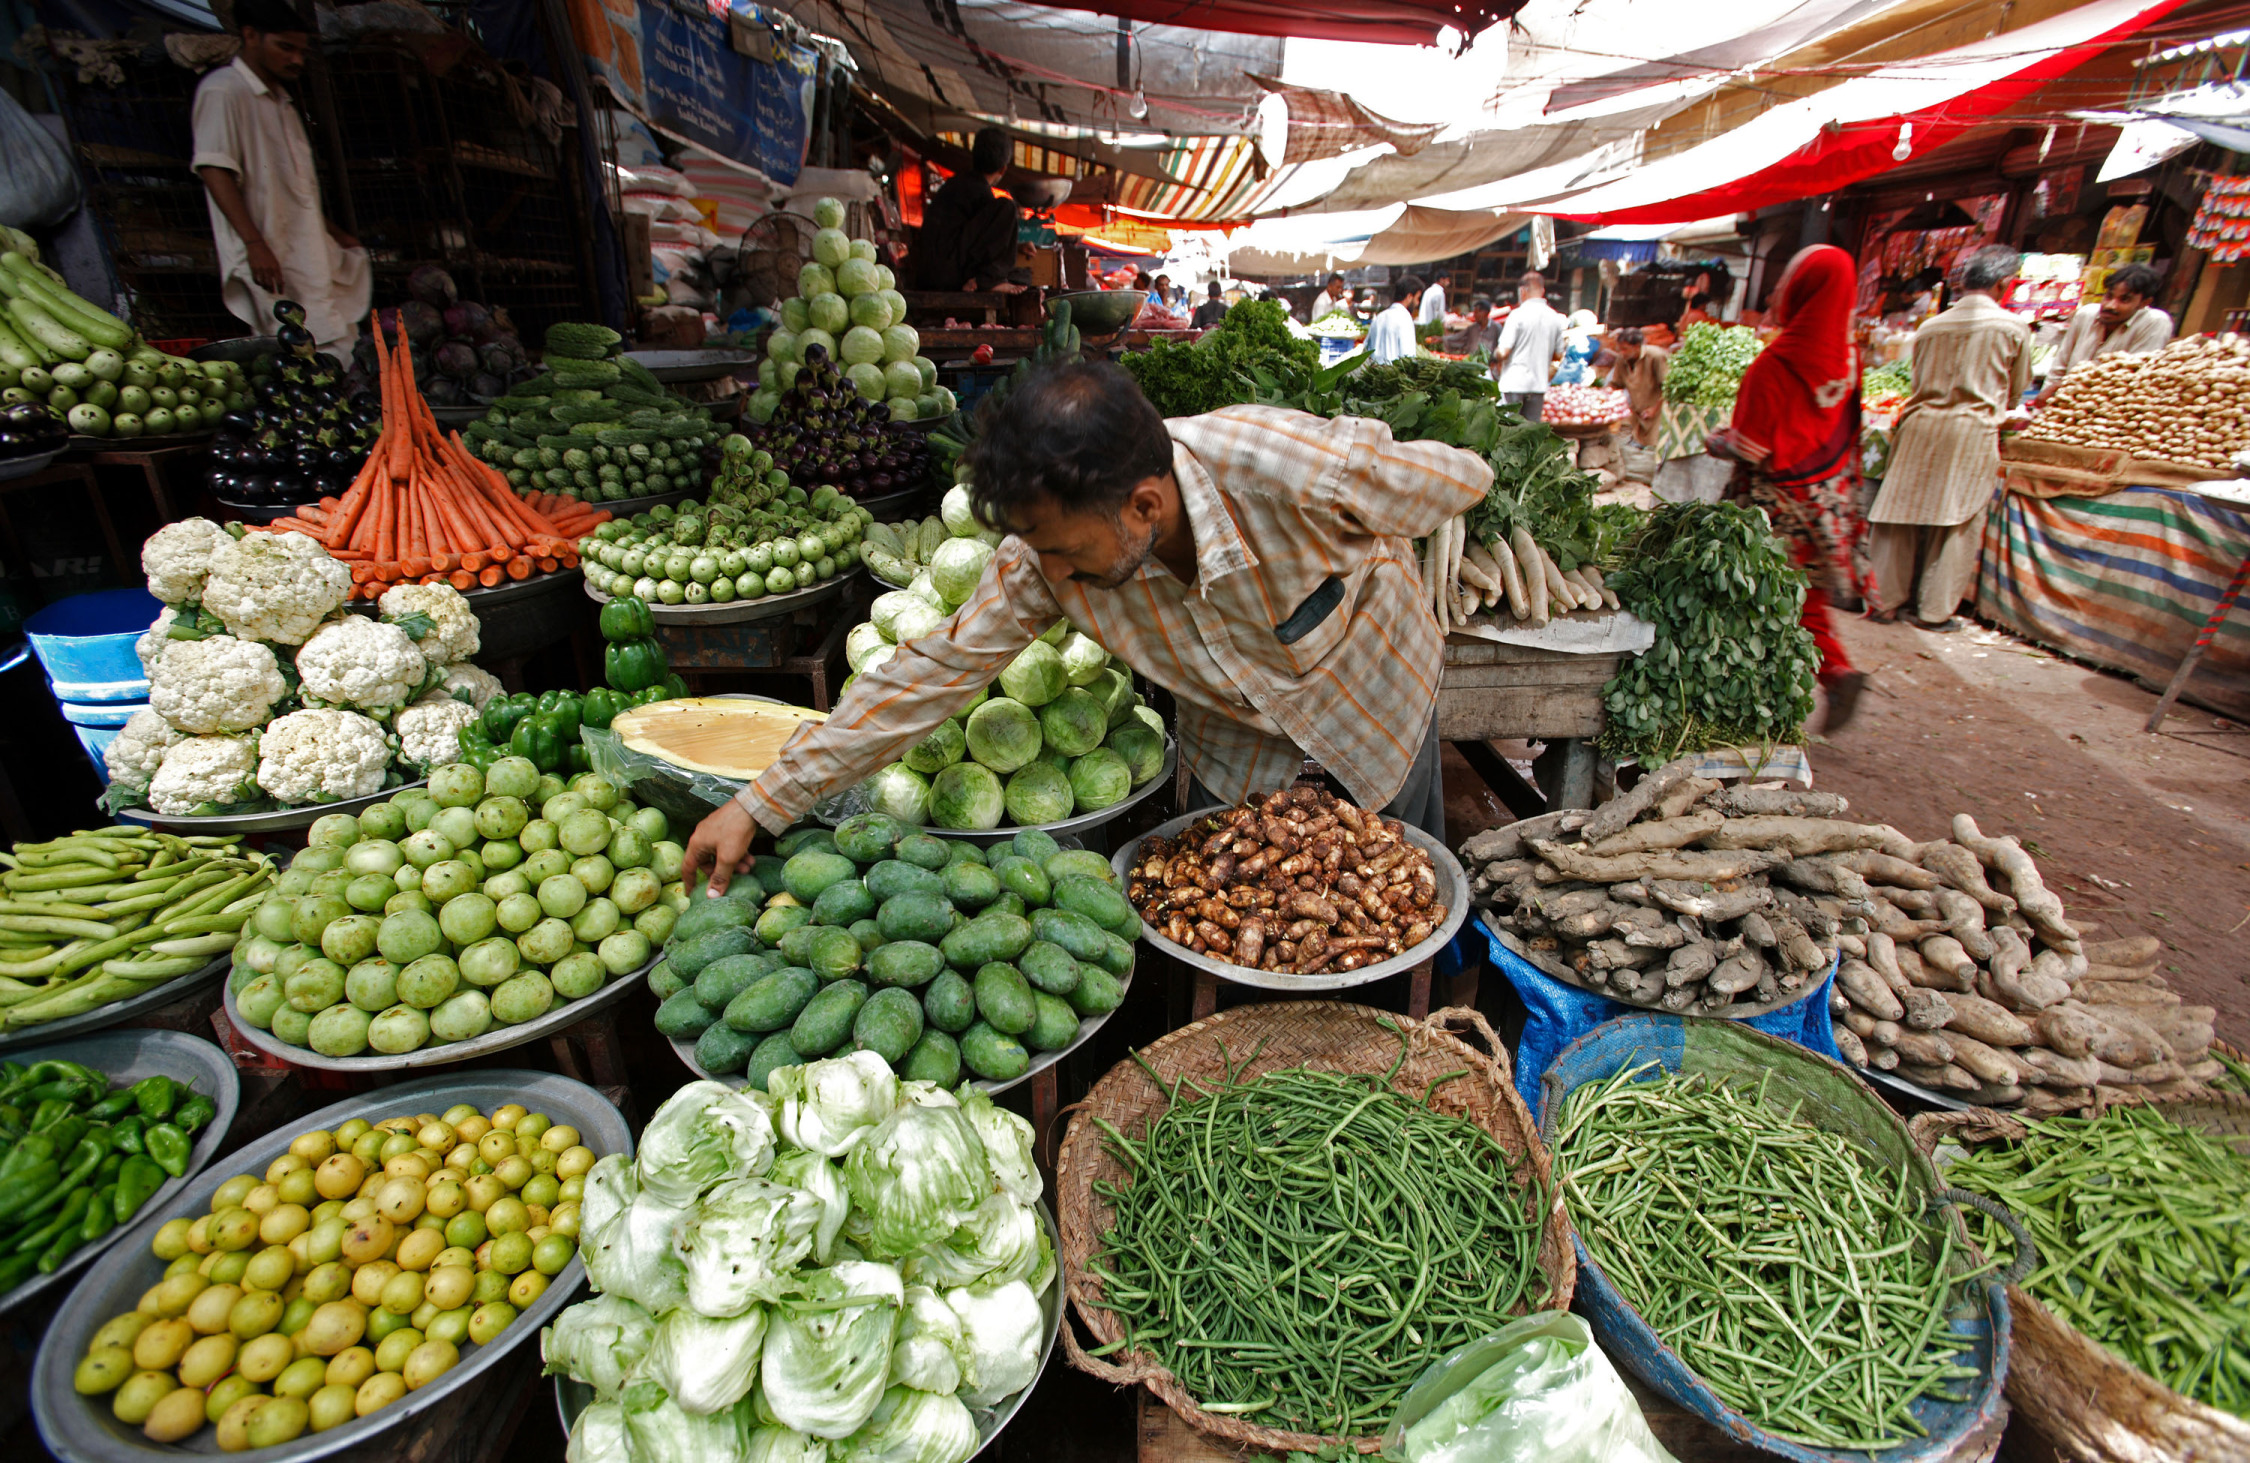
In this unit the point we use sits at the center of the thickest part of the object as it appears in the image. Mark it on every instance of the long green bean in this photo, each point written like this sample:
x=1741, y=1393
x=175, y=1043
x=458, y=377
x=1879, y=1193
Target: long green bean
x=1298, y=1247
x=1808, y=1290
x=2143, y=1230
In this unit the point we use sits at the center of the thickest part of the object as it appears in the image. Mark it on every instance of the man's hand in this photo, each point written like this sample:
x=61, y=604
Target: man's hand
x=265, y=267
x=722, y=841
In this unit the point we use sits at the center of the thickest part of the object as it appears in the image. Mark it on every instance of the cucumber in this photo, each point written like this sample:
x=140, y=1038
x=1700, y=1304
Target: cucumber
x=683, y=1017
x=17, y=355
x=729, y=976
x=935, y=1058
x=688, y=957
x=971, y=886
x=771, y=1055
x=1097, y=991
x=1101, y=903
x=907, y=963
x=1049, y=967
x=993, y=1055
x=925, y=851
x=950, y=1003
x=844, y=901
x=915, y=916
x=665, y=982
x=81, y=315
x=1004, y=998
x=890, y=1024
x=774, y=1001
x=1025, y=879
x=893, y=877
x=827, y=1019
x=1074, y=932
x=722, y=1051
x=1053, y=1028
x=35, y=328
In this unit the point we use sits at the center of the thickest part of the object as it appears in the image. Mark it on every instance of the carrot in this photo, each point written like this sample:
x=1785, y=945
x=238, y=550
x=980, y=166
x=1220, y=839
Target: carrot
x=461, y=579
x=490, y=575
x=549, y=566
x=520, y=567
x=348, y=555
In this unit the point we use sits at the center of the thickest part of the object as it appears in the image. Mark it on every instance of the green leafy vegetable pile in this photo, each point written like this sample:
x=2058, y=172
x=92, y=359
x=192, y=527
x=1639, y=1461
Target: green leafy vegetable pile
x=1221, y=368
x=1892, y=378
x=1731, y=666
x=1708, y=365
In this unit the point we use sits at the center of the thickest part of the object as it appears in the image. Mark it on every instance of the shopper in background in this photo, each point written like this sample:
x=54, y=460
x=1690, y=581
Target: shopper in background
x=1639, y=370
x=1429, y=320
x=1390, y=335
x=1698, y=312
x=1482, y=333
x=1334, y=299
x=2126, y=322
x=1794, y=441
x=251, y=152
x=1581, y=339
x=1971, y=365
x=968, y=235
x=1529, y=344
x=1212, y=310
x=1169, y=294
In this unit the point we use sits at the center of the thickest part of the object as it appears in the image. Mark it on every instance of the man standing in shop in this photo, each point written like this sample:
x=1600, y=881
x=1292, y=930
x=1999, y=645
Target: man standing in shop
x=1640, y=371
x=251, y=152
x=968, y=235
x=1255, y=562
x=2126, y=322
x=1211, y=311
x=1529, y=344
x=1390, y=335
x=1335, y=299
x=1971, y=364
x=1429, y=320
x=1480, y=334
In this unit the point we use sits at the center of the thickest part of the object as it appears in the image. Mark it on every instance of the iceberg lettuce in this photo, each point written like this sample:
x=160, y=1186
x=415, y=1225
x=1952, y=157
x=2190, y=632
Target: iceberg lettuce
x=910, y=1426
x=706, y=1365
x=635, y=1255
x=1002, y=1327
x=826, y=1106
x=817, y=1176
x=773, y=1443
x=1000, y=1242
x=598, y=1341
x=598, y=1436
x=659, y=1430
x=917, y=1176
x=743, y=1242
x=1007, y=1144
x=704, y=1135
x=828, y=1350
x=927, y=1353
x=610, y=1187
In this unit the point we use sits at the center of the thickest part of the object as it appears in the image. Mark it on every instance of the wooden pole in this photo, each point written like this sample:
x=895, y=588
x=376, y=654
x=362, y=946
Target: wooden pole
x=2202, y=643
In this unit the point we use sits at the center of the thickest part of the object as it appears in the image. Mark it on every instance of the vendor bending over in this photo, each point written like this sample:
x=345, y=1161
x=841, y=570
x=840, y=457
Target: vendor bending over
x=1257, y=563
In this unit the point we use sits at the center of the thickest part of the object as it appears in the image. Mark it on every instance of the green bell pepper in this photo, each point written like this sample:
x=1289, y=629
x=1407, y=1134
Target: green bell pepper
x=502, y=714
x=577, y=759
x=169, y=1147
x=474, y=733
x=634, y=665
x=480, y=753
x=653, y=693
x=626, y=618
x=674, y=684
x=538, y=737
x=567, y=709
x=601, y=706
x=156, y=1097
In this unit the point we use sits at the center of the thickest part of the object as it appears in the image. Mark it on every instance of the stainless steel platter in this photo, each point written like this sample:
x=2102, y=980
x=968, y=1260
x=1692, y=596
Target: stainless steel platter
x=163, y=993
x=1084, y=822
x=743, y=611
x=279, y=820
x=683, y=366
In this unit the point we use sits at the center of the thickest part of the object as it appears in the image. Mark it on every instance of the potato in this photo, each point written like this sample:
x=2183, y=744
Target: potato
x=104, y=1369
x=207, y=1360
x=176, y=1417
x=262, y=1359
x=159, y=1346
x=331, y=1406
x=378, y=1391
x=278, y=1422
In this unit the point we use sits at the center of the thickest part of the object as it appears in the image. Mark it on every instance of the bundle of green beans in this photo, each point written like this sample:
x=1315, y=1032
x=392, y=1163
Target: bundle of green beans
x=1302, y=1245
x=2143, y=1231
x=1809, y=1290
x=103, y=915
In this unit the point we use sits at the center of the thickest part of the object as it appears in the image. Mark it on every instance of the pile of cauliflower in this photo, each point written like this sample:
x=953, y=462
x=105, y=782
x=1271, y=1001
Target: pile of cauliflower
x=263, y=688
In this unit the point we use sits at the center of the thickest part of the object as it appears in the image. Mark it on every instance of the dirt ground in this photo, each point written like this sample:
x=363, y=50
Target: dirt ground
x=2140, y=834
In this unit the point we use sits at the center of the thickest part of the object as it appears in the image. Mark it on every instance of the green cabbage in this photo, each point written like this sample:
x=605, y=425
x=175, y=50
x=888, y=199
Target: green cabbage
x=866, y=646
x=815, y=336
x=815, y=279
x=861, y=346
x=831, y=247
x=967, y=796
x=796, y=315
x=782, y=345
x=1098, y=779
x=912, y=1426
x=939, y=750
x=599, y=1343
x=1038, y=792
x=917, y=1176
x=1114, y=689
x=826, y=1106
x=884, y=612
x=774, y=1443
x=1083, y=659
x=828, y=1352
x=1036, y=676
x=706, y=1364
x=1073, y=723
x=1003, y=734
x=901, y=343
x=1002, y=1328
x=857, y=277
x=955, y=510
x=918, y=617
x=829, y=313
x=1142, y=749
x=927, y=1353
x=900, y=791
x=828, y=213
x=743, y=1243
x=900, y=379
x=866, y=379
x=872, y=311
x=704, y=1134
x=956, y=567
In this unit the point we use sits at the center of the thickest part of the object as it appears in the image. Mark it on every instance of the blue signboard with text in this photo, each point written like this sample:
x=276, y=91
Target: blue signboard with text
x=698, y=86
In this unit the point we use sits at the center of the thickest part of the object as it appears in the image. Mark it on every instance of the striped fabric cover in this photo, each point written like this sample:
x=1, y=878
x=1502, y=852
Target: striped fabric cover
x=2124, y=581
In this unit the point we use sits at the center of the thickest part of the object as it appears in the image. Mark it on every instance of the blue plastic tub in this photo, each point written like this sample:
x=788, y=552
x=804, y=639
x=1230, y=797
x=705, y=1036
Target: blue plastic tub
x=1831, y=1097
x=99, y=713
x=96, y=740
x=86, y=644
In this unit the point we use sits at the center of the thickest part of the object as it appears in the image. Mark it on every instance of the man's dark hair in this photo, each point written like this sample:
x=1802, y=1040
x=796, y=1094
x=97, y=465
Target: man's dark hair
x=1214, y=289
x=1406, y=284
x=1481, y=302
x=268, y=16
x=991, y=151
x=1080, y=434
x=1630, y=335
x=2138, y=278
x=1335, y=279
x=1990, y=267
x=1141, y=281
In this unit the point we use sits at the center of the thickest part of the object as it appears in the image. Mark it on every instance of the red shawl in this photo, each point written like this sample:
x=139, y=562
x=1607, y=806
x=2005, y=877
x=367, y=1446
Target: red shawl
x=1796, y=415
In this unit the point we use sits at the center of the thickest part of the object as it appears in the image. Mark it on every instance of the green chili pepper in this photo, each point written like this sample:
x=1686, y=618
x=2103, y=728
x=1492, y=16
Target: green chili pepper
x=194, y=1114
x=72, y=1213
x=125, y=1134
x=156, y=1096
x=101, y=1213
x=16, y=1269
x=169, y=1147
x=30, y=1184
x=113, y=1163
x=50, y=1111
x=67, y=1133
x=114, y=1106
x=602, y=704
x=139, y=1178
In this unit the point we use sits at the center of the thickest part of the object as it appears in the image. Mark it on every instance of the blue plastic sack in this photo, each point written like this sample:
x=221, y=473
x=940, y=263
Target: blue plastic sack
x=1560, y=1014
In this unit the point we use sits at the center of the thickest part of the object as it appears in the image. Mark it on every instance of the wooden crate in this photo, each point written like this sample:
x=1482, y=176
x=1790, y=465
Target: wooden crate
x=1493, y=692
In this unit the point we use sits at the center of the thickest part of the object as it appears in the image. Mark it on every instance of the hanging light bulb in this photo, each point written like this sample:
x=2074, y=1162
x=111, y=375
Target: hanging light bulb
x=1138, y=107
x=1905, y=148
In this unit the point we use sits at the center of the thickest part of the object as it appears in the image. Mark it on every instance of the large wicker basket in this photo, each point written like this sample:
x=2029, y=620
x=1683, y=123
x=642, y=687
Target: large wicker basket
x=2086, y=1401
x=1329, y=1035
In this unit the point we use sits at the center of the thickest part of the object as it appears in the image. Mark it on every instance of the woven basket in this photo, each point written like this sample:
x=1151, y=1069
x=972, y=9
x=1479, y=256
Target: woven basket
x=1328, y=1035
x=2089, y=1403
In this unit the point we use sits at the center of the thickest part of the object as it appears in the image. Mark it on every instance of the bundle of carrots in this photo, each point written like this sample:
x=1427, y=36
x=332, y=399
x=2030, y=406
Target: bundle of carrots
x=425, y=510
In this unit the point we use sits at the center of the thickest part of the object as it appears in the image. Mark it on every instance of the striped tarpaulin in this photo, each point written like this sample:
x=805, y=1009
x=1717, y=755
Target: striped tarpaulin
x=2124, y=581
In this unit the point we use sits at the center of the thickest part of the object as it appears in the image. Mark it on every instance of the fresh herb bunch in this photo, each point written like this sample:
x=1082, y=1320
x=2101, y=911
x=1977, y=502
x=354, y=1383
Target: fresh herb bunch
x=1707, y=367
x=1892, y=378
x=1731, y=665
x=1221, y=368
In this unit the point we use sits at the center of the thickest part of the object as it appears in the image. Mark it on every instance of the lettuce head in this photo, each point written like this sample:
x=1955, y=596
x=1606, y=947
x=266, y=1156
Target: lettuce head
x=813, y=1174
x=773, y=1443
x=1008, y=1141
x=917, y=1176
x=744, y=1242
x=704, y=1135
x=707, y=1365
x=828, y=1349
x=927, y=1353
x=1000, y=1242
x=634, y=1254
x=828, y=1106
x=598, y=1436
x=910, y=1426
x=658, y=1427
x=599, y=1342
x=1003, y=1327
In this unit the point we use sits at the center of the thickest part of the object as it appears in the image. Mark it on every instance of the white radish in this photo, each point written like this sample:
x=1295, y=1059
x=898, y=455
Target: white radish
x=1559, y=587
x=1511, y=581
x=1601, y=587
x=1534, y=566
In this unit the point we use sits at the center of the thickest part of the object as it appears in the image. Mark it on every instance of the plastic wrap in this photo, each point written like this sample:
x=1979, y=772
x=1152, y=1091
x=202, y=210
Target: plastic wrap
x=1537, y=1390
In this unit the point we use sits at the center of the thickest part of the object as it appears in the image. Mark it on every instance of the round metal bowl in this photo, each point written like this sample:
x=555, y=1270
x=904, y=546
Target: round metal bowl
x=279, y=820
x=127, y=1057
x=1083, y=823
x=23, y=467
x=459, y=416
x=1101, y=312
x=573, y=1396
x=509, y=590
x=742, y=611
x=1453, y=893
x=243, y=348
x=146, y=442
x=684, y=366
x=498, y=1039
x=259, y=512
x=898, y=504
x=164, y=993
x=81, y=1430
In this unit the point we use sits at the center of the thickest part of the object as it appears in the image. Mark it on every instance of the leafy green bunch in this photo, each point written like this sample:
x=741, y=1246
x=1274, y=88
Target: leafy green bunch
x=1222, y=368
x=1731, y=665
x=1707, y=366
x=1892, y=377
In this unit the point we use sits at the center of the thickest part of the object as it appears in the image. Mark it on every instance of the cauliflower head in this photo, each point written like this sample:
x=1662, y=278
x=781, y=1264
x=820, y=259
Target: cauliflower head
x=138, y=749
x=218, y=684
x=150, y=647
x=429, y=732
x=361, y=663
x=321, y=756
x=177, y=558
x=203, y=770
x=274, y=586
x=480, y=684
x=452, y=634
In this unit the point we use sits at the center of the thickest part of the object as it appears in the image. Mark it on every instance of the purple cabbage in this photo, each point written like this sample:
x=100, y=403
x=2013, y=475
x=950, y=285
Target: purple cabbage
x=443, y=391
x=424, y=325
x=432, y=286
x=467, y=318
x=500, y=357
x=485, y=384
x=457, y=359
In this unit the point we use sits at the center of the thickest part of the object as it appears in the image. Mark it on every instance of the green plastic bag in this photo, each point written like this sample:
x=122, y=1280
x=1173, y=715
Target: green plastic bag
x=1537, y=1390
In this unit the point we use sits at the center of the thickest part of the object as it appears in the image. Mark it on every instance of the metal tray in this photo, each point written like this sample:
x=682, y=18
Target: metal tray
x=23, y=467
x=743, y=611
x=509, y=590
x=896, y=503
x=698, y=365
x=240, y=348
x=1083, y=823
x=277, y=821
x=460, y=416
x=573, y=1397
x=627, y=507
x=261, y=512
x=498, y=1039
x=161, y=994
x=81, y=1430
x=1453, y=893
x=146, y=442
x=128, y=1056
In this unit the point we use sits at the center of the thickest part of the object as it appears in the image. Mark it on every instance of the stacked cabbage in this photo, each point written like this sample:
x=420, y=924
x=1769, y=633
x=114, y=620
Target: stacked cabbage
x=850, y=306
x=847, y=1268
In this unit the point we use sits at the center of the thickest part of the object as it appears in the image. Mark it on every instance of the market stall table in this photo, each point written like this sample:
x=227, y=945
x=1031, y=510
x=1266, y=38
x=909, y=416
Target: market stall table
x=1537, y=685
x=155, y=463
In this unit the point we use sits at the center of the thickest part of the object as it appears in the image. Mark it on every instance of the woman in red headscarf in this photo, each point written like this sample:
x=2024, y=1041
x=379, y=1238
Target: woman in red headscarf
x=1795, y=443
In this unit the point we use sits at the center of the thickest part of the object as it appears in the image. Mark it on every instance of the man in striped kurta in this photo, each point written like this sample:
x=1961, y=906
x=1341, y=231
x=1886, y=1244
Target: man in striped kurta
x=1971, y=365
x=1257, y=563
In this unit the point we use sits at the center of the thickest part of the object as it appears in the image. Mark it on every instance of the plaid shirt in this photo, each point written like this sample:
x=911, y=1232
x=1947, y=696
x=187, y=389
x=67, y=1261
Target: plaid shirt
x=1281, y=504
